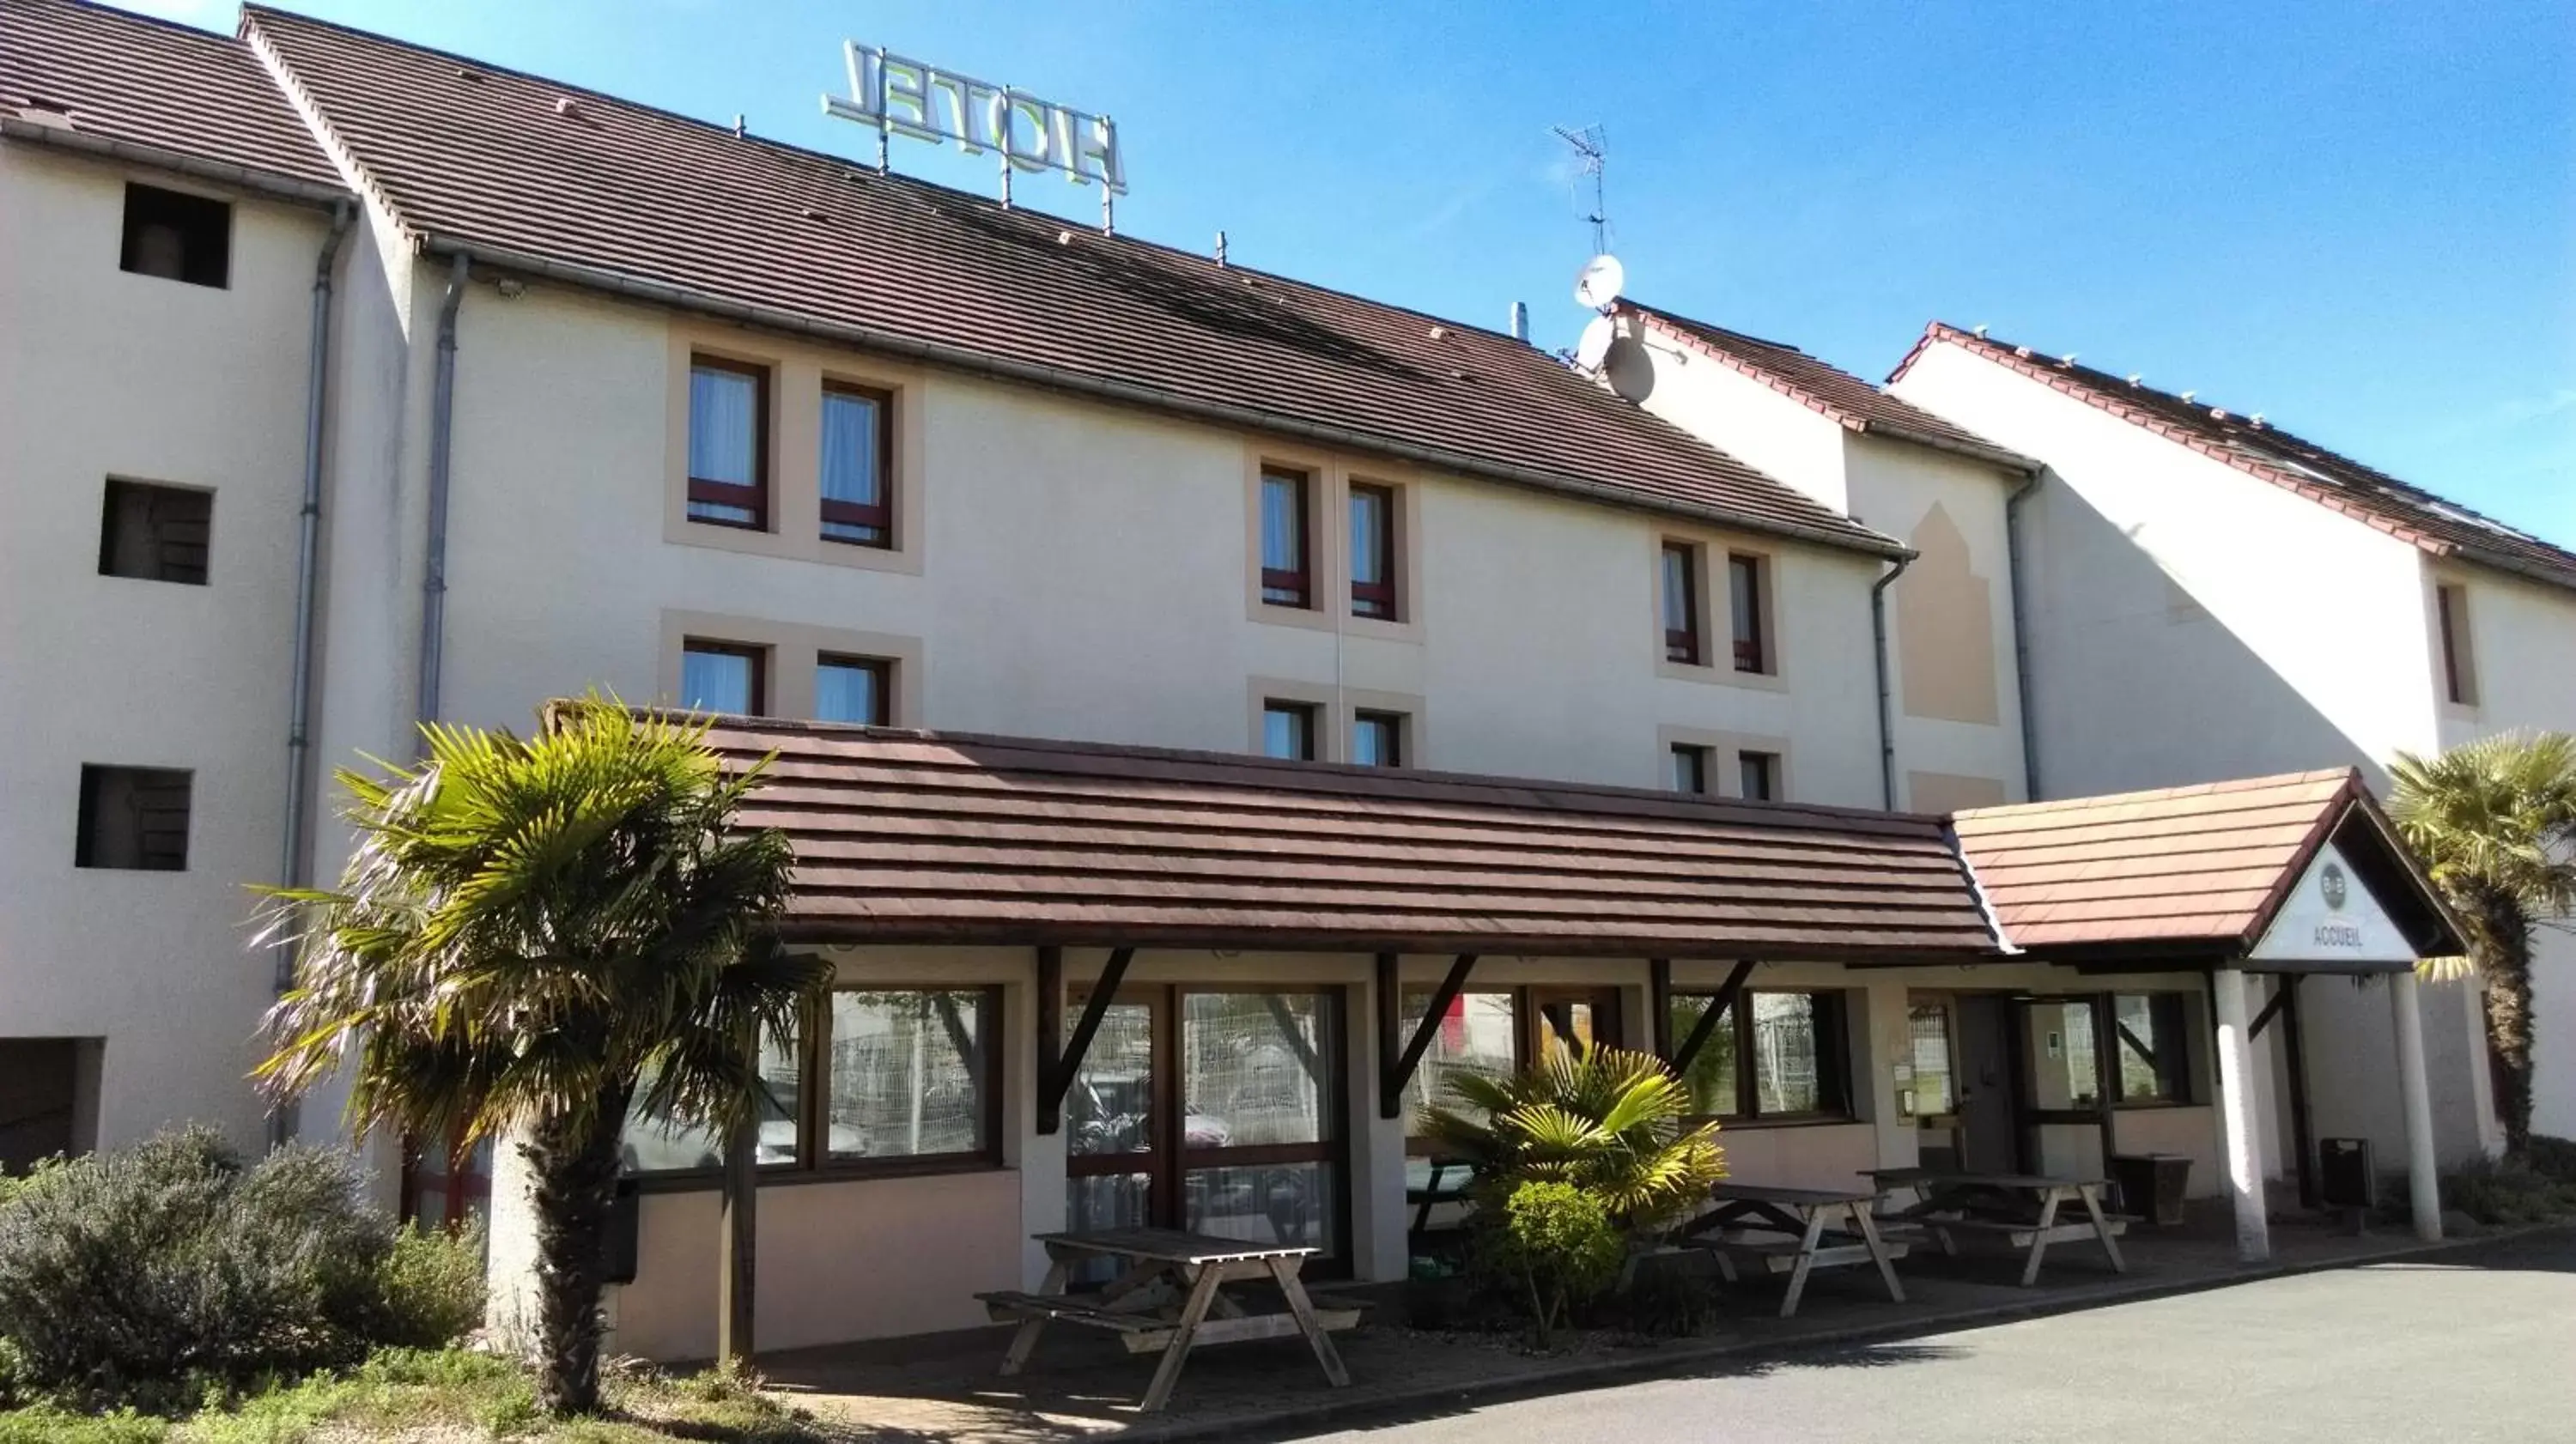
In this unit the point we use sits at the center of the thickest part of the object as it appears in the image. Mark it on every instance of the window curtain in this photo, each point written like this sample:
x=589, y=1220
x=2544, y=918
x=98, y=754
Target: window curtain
x=1368, y=527
x=723, y=426
x=847, y=693
x=1281, y=525
x=850, y=450
x=715, y=681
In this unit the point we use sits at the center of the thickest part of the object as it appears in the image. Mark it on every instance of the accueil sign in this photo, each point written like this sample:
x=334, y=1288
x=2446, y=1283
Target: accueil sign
x=912, y=98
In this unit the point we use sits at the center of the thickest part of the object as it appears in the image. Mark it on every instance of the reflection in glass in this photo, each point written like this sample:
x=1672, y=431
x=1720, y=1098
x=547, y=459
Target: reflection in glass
x=1286, y=1203
x=2073, y=1068
x=656, y=1145
x=1474, y=1036
x=1787, y=1072
x=1111, y=1104
x=1712, y=1076
x=906, y=1071
x=1935, y=1091
x=1255, y=1068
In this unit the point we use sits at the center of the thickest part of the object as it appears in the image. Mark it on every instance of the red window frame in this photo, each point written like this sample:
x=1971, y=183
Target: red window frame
x=1375, y=599
x=1281, y=587
x=466, y=1185
x=1751, y=653
x=755, y=497
x=1681, y=644
x=880, y=514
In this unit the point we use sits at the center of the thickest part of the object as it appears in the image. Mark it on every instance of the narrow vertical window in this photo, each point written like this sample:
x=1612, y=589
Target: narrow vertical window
x=721, y=677
x=728, y=444
x=1285, y=577
x=1690, y=769
x=1373, y=552
x=1745, y=599
x=1288, y=730
x=1377, y=739
x=858, y=466
x=2459, y=676
x=854, y=689
x=1681, y=603
x=1759, y=772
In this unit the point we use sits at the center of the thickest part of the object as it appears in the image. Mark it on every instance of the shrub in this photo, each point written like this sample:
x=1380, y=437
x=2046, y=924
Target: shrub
x=2552, y=1158
x=1557, y=1245
x=431, y=1286
x=2507, y=1194
x=149, y=1273
x=1609, y=1121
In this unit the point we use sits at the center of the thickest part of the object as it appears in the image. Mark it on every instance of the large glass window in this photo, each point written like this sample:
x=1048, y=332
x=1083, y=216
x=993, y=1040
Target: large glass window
x=655, y=1144
x=2154, y=1052
x=1936, y=1088
x=858, y=466
x=2069, y=1069
x=906, y=1075
x=728, y=443
x=721, y=677
x=1769, y=1055
x=1478, y=1033
x=1680, y=588
x=1372, y=551
x=1286, y=577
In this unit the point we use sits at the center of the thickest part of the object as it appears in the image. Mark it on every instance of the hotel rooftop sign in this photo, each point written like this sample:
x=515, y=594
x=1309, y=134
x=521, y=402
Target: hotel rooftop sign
x=912, y=98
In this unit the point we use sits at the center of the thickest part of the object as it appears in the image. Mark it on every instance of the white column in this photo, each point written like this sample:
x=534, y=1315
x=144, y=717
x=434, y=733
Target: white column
x=2240, y=1141
x=2422, y=1188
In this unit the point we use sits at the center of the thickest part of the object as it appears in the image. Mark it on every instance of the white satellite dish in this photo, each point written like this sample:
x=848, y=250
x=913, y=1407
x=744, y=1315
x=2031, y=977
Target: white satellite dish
x=1594, y=346
x=1598, y=283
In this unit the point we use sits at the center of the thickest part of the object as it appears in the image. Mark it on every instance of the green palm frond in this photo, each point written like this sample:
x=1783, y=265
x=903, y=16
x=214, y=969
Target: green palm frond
x=1608, y=1120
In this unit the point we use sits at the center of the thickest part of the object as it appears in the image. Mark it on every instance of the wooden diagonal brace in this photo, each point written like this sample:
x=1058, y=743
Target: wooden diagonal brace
x=1395, y=1072
x=1727, y=993
x=1059, y=1062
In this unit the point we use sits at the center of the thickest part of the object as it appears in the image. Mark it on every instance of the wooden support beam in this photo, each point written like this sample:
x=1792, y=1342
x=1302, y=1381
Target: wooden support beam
x=1050, y=1025
x=1394, y=1073
x=2264, y=1018
x=1727, y=993
x=1659, y=1006
x=738, y=1248
x=1056, y=1078
x=2107, y=1031
x=2295, y=1059
x=1390, y=1025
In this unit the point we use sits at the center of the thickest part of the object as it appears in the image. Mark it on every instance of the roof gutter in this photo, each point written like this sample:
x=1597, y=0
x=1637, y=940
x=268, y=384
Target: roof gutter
x=2018, y=598
x=1130, y=394
x=442, y=418
x=1886, y=699
x=266, y=183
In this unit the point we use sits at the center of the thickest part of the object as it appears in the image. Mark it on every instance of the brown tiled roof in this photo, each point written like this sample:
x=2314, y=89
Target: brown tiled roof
x=2199, y=868
x=1825, y=389
x=2326, y=477
x=473, y=157
x=924, y=837
x=72, y=72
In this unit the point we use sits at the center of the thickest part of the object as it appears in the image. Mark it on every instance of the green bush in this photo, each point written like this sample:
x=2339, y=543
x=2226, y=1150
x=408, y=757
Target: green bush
x=2552, y=1158
x=431, y=1286
x=1556, y=1245
x=2507, y=1194
x=148, y=1274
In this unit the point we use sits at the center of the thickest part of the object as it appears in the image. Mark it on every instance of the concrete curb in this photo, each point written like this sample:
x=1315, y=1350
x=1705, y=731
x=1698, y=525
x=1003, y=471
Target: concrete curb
x=1573, y=1374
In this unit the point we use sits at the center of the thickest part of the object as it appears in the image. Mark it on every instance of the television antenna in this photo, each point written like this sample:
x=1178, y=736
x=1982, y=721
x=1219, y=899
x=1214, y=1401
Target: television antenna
x=1591, y=155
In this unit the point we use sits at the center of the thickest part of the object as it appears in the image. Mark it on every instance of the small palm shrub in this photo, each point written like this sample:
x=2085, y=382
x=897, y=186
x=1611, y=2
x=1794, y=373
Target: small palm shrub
x=1609, y=1121
x=431, y=1284
x=1559, y=1247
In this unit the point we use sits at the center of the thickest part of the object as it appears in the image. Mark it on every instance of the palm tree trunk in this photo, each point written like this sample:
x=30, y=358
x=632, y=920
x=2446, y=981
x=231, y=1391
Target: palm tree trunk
x=2508, y=1005
x=576, y=1189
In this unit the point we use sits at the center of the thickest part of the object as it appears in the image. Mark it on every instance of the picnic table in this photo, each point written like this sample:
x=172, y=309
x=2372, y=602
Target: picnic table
x=1801, y=1216
x=2020, y=1208
x=1171, y=1297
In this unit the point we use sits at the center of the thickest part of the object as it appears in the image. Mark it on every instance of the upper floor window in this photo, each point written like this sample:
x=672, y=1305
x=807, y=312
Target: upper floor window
x=177, y=237
x=1690, y=768
x=1287, y=577
x=729, y=443
x=1748, y=587
x=722, y=677
x=133, y=817
x=854, y=689
x=1377, y=739
x=858, y=466
x=1288, y=730
x=1373, y=551
x=1681, y=604
x=157, y=533
x=2459, y=674
x=1758, y=775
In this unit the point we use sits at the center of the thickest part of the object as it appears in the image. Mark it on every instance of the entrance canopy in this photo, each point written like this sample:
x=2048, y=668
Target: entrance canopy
x=2296, y=873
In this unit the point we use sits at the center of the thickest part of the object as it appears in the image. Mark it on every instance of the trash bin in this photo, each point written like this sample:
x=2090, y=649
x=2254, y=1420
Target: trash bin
x=2151, y=1185
x=2346, y=1178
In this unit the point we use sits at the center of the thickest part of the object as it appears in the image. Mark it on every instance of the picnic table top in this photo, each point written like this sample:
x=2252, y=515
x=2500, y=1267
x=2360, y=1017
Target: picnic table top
x=1171, y=1245
x=1907, y=1177
x=1724, y=1192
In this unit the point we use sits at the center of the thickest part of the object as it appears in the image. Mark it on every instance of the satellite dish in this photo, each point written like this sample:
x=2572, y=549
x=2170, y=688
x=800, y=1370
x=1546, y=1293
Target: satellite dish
x=1598, y=283
x=1594, y=347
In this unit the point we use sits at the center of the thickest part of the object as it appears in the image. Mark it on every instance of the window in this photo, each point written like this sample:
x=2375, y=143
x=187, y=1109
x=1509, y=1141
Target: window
x=2155, y=1060
x=1746, y=585
x=1288, y=730
x=43, y=1082
x=1377, y=739
x=1286, y=576
x=2459, y=677
x=133, y=817
x=157, y=533
x=858, y=466
x=1373, y=552
x=1757, y=775
x=654, y=1144
x=722, y=677
x=854, y=689
x=729, y=444
x=1478, y=1034
x=1690, y=768
x=1681, y=603
x=177, y=237
x=1770, y=1055
x=1936, y=1089
x=2070, y=1069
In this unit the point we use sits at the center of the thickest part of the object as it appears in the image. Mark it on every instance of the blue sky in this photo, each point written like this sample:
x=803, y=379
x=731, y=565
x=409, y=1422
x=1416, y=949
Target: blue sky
x=2359, y=219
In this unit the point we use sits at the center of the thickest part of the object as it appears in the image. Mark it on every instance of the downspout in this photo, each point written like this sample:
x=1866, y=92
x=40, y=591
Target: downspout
x=1886, y=700
x=2019, y=598
x=308, y=561
x=442, y=414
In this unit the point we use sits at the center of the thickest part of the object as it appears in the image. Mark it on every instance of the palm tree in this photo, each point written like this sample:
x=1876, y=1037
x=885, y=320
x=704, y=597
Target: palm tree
x=1607, y=1120
x=532, y=938
x=2493, y=819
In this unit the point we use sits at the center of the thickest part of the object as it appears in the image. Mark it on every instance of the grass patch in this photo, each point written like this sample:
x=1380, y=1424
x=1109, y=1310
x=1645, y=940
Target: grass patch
x=412, y=1394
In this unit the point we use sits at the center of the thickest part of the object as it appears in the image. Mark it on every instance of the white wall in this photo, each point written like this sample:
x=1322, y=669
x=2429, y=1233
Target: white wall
x=105, y=374
x=1744, y=416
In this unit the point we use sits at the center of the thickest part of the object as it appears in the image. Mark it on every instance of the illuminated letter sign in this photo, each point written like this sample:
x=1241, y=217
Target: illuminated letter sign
x=908, y=97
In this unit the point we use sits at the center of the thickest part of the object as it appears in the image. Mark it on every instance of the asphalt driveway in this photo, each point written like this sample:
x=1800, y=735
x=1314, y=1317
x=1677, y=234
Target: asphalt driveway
x=2477, y=1344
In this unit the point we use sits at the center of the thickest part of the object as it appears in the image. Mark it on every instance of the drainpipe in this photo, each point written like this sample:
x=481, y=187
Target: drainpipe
x=1886, y=705
x=308, y=558
x=2021, y=635
x=442, y=410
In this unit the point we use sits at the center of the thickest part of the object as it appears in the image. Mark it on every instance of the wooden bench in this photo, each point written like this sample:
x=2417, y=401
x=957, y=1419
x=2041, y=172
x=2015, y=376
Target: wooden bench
x=1144, y=1332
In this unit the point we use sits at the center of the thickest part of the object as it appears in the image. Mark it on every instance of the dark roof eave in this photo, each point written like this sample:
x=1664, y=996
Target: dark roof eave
x=1127, y=393
x=843, y=933
x=1995, y=456
x=270, y=184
